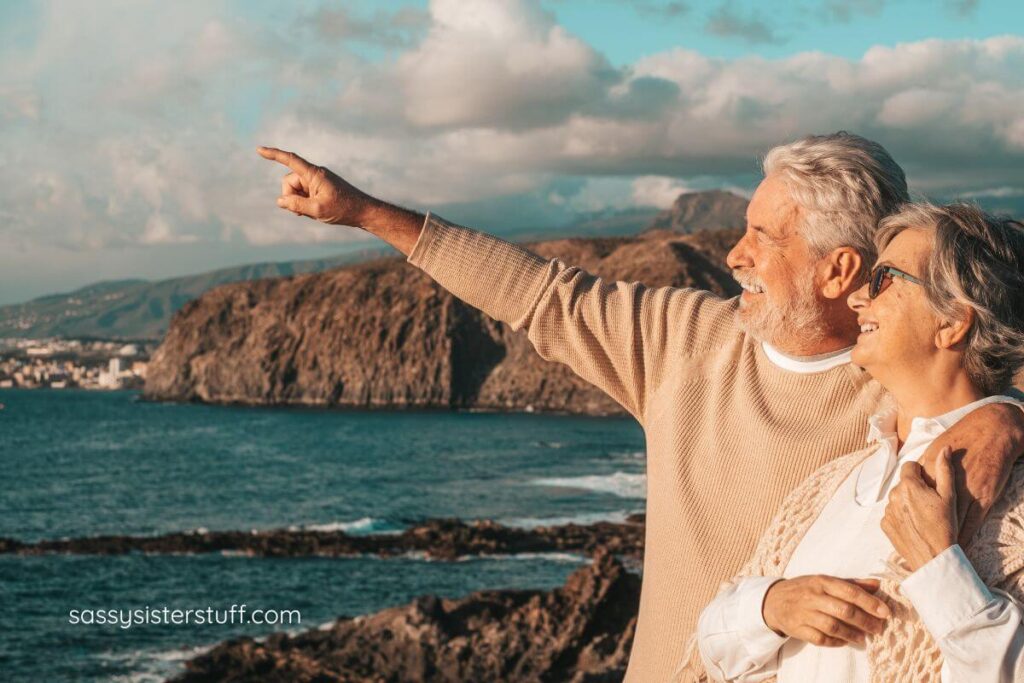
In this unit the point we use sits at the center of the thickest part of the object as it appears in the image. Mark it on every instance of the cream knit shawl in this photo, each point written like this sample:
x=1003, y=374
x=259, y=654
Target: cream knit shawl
x=904, y=651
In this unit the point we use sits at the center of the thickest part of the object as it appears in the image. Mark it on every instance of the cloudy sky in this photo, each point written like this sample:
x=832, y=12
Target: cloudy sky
x=127, y=129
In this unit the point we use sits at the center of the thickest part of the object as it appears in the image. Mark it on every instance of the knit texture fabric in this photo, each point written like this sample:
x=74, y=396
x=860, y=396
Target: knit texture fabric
x=728, y=433
x=904, y=652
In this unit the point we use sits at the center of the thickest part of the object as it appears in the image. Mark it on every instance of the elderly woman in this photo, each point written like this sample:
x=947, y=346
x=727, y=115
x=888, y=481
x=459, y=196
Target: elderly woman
x=860, y=577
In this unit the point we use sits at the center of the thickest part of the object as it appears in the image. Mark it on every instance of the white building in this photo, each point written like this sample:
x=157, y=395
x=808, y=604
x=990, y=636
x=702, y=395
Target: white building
x=111, y=377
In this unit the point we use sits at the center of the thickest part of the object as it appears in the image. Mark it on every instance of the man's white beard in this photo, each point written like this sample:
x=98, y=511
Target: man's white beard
x=800, y=318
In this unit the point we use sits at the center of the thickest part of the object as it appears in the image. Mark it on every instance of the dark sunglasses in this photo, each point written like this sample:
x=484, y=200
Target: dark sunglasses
x=881, y=277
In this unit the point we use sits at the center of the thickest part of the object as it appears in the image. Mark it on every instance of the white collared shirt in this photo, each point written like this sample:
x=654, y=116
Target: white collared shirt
x=980, y=633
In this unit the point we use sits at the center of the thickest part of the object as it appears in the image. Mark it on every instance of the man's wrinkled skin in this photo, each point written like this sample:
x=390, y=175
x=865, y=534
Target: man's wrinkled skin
x=985, y=444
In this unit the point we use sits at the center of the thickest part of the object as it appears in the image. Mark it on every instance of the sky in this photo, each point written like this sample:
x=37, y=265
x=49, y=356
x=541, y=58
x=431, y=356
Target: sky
x=128, y=129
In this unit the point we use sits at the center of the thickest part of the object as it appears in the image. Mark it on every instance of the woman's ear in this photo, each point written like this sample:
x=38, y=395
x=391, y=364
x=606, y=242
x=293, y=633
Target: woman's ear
x=952, y=332
x=840, y=269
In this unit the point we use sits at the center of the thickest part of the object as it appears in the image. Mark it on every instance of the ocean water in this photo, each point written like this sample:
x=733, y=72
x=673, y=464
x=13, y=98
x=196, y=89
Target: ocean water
x=79, y=463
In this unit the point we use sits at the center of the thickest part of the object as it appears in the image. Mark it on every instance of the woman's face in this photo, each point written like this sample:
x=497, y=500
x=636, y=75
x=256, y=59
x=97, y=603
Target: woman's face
x=898, y=327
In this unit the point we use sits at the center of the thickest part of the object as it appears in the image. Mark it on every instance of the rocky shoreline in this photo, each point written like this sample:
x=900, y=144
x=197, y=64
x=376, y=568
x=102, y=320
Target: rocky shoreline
x=579, y=633
x=436, y=539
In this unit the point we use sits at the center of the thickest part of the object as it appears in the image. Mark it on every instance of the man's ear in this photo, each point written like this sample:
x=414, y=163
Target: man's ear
x=953, y=332
x=840, y=271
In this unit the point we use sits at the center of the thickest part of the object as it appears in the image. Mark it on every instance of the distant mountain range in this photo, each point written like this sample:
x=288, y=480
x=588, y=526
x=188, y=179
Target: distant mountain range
x=141, y=309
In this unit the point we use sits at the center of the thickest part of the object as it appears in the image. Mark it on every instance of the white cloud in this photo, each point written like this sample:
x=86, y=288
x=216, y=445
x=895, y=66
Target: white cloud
x=497, y=63
x=658, y=191
x=135, y=123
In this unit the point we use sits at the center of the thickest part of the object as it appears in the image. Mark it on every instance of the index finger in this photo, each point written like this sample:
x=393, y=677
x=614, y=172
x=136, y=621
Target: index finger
x=852, y=593
x=912, y=473
x=289, y=159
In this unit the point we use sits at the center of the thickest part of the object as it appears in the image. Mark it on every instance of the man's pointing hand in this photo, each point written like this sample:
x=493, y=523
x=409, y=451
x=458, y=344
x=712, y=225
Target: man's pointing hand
x=317, y=193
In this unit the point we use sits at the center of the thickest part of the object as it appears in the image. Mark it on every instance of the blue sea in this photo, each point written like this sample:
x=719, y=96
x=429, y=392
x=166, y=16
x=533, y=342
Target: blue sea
x=77, y=463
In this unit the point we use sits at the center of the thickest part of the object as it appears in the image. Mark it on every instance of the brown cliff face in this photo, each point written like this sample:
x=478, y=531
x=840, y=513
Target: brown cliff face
x=384, y=335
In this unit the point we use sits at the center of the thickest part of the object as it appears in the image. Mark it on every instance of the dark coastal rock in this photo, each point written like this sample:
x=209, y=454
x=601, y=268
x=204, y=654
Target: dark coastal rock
x=580, y=632
x=441, y=539
x=383, y=335
x=9, y=546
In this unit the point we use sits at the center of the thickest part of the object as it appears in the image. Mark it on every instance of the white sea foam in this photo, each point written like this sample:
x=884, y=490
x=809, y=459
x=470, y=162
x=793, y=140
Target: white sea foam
x=422, y=556
x=618, y=516
x=572, y=558
x=153, y=666
x=361, y=526
x=622, y=484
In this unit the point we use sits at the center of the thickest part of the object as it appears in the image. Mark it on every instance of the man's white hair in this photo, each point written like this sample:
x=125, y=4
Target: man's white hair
x=844, y=185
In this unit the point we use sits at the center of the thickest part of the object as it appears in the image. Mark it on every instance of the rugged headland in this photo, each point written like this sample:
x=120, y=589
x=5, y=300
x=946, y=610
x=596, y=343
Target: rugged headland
x=578, y=633
x=382, y=334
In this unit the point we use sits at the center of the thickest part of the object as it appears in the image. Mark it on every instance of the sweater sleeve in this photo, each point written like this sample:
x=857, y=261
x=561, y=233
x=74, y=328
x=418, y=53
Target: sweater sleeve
x=612, y=334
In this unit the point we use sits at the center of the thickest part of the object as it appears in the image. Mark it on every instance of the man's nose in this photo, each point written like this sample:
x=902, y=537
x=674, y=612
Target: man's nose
x=739, y=255
x=858, y=299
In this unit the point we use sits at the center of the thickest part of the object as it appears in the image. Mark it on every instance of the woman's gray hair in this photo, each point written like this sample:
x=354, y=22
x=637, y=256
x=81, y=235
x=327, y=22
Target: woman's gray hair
x=977, y=262
x=845, y=185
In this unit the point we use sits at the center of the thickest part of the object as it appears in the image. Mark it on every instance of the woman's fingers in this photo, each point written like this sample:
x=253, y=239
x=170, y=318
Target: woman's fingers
x=850, y=614
x=854, y=594
x=870, y=585
x=912, y=476
x=811, y=635
x=945, y=482
x=835, y=628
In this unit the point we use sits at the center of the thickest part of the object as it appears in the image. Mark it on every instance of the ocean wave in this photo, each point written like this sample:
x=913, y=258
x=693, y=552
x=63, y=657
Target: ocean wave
x=152, y=666
x=631, y=455
x=358, y=527
x=583, y=518
x=552, y=556
x=622, y=484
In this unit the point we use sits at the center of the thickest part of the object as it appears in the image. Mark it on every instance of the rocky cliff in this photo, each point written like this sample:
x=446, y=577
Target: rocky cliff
x=580, y=633
x=383, y=335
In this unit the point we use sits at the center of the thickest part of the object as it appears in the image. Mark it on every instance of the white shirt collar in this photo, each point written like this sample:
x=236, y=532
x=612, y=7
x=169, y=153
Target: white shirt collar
x=875, y=475
x=806, y=366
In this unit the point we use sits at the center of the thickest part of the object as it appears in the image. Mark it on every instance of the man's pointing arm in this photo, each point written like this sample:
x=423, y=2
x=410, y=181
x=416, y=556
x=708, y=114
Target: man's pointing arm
x=611, y=334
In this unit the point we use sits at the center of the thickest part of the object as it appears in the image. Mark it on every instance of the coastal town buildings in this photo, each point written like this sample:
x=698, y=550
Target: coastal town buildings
x=64, y=363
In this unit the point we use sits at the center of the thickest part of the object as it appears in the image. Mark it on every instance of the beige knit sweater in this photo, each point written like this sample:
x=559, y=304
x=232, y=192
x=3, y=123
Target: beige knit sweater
x=904, y=652
x=728, y=433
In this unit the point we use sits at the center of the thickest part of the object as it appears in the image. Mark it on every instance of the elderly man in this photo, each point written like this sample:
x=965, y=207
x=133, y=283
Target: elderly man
x=758, y=384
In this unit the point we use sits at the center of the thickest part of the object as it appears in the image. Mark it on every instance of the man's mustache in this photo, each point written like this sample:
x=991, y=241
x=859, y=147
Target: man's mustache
x=746, y=277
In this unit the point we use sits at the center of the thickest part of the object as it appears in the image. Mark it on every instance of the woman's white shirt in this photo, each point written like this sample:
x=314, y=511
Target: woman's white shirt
x=978, y=632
